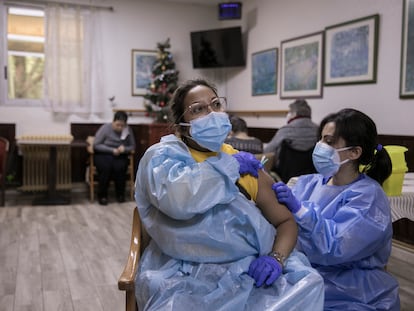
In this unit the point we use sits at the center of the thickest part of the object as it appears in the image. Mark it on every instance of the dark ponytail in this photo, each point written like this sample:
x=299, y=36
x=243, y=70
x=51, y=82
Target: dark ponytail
x=381, y=166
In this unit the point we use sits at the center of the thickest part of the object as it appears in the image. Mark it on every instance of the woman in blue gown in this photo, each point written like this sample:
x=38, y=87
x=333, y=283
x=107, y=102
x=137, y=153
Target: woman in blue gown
x=344, y=215
x=219, y=238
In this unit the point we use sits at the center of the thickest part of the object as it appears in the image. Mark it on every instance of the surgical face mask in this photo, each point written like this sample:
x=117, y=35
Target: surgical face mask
x=211, y=130
x=326, y=159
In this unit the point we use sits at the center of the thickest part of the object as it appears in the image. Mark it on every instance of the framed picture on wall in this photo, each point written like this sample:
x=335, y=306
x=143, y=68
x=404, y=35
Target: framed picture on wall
x=351, y=50
x=264, y=72
x=142, y=62
x=407, y=51
x=301, y=66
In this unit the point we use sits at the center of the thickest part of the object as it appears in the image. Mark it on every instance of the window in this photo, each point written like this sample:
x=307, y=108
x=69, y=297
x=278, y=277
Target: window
x=51, y=56
x=25, y=55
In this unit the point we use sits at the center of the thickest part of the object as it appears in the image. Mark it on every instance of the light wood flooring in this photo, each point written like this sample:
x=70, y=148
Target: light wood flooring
x=66, y=257
x=69, y=257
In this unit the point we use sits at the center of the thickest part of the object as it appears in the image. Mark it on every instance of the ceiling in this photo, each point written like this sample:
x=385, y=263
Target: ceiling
x=202, y=2
x=112, y=2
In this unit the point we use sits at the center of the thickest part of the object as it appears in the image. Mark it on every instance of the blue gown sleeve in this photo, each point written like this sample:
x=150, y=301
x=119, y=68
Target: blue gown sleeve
x=344, y=228
x=171, y=180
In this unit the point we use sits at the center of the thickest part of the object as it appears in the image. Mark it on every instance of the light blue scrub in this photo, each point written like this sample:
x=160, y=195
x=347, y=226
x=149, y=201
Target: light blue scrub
x=205, y=234
x=346, y=232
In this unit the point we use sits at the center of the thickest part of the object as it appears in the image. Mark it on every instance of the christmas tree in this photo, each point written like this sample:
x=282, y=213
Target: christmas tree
x=163, y=84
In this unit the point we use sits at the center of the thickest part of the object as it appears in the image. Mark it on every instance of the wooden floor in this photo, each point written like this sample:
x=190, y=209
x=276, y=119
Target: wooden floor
x=69, y=258
x=401, y=265
x=63, y=257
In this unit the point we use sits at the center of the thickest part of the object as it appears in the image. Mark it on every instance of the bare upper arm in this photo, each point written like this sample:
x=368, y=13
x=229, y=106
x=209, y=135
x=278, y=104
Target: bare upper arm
x=266, y=200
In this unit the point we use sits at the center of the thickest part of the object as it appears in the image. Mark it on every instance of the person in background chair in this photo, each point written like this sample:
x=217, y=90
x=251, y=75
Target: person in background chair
x=112, y=145
x=299, y=130
x=344, y=215
x=239, y=137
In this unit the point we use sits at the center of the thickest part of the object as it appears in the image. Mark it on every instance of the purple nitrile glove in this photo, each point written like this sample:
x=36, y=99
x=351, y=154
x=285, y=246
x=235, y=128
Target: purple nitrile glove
x=248, y=163
x=265, y=270
x=285, y=196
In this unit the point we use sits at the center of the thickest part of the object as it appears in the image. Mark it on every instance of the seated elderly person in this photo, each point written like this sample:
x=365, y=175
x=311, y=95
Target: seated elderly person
x=112, y=144
x=239, y=137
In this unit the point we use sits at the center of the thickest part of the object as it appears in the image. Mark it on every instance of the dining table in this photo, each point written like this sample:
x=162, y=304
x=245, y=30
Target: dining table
x=402, y=206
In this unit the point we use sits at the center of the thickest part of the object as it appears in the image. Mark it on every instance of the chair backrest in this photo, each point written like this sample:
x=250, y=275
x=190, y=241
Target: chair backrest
x=4, y=151
x=89, y=142
x=294, y=162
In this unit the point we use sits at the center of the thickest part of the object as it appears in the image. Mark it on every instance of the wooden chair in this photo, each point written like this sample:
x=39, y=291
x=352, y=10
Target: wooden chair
x=92, y=172
x=126, y=282
x=4, y=151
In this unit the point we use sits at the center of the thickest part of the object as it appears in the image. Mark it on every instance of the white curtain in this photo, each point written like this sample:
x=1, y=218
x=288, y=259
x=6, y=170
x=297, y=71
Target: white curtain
x=73, y=60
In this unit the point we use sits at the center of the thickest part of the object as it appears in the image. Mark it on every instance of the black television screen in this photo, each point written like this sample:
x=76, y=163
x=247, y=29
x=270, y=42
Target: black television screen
x=217, y=48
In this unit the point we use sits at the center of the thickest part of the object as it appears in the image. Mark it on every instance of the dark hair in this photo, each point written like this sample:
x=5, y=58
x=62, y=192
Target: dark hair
x=121, y=116
x=357, y=129
x=301, y=108
x=177, y=100
x=238, y=124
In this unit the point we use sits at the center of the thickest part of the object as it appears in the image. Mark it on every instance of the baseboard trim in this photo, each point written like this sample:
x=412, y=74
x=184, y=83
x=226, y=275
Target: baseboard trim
x=403, y=245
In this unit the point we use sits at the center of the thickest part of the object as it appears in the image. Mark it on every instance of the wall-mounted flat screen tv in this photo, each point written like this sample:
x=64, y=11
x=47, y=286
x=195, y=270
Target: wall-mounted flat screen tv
x=217, y=48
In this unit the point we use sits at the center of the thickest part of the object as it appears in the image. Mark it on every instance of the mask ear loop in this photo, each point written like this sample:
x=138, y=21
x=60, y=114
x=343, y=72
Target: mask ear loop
x=343, y=149
x=184, y=137
x=180, y=126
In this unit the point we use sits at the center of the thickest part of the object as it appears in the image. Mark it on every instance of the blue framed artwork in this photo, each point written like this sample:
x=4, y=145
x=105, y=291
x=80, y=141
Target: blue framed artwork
x=142, y=63
x=264, y=72
x=302, y=66
x=407, y=51
x=351, y=50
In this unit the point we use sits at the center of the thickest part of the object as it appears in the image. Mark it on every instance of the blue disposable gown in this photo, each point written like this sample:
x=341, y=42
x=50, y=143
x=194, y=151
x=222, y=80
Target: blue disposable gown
x=346, y=233
x=204, y=235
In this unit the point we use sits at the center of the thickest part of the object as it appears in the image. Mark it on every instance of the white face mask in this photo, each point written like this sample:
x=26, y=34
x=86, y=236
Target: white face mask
x=210, y=131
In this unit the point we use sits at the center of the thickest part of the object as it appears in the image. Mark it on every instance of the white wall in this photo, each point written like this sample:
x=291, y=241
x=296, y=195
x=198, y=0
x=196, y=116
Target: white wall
x=139, y=24
x=274, y=21
x=134, y=24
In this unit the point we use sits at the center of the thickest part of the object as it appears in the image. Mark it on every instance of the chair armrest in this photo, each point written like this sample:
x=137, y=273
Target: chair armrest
x=127, y=278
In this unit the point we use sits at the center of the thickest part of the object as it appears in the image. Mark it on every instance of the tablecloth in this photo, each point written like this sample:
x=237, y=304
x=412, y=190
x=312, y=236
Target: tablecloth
x=402, y=206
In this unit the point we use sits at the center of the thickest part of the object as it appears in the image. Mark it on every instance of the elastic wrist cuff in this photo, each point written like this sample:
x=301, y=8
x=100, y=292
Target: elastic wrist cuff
x=301, y=212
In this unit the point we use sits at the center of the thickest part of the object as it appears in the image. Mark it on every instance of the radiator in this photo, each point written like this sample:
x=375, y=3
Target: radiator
x=36, y=162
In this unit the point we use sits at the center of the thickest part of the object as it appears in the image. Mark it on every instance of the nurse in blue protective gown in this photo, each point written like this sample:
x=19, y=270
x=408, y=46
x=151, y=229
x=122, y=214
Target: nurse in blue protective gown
x=344, y=216
x=219, y=238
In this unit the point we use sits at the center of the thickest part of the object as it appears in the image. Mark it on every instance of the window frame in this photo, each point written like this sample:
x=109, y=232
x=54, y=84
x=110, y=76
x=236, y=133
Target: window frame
x=4, y=99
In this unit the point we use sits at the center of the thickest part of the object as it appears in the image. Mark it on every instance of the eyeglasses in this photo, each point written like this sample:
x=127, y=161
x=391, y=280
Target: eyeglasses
x=199, y=109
